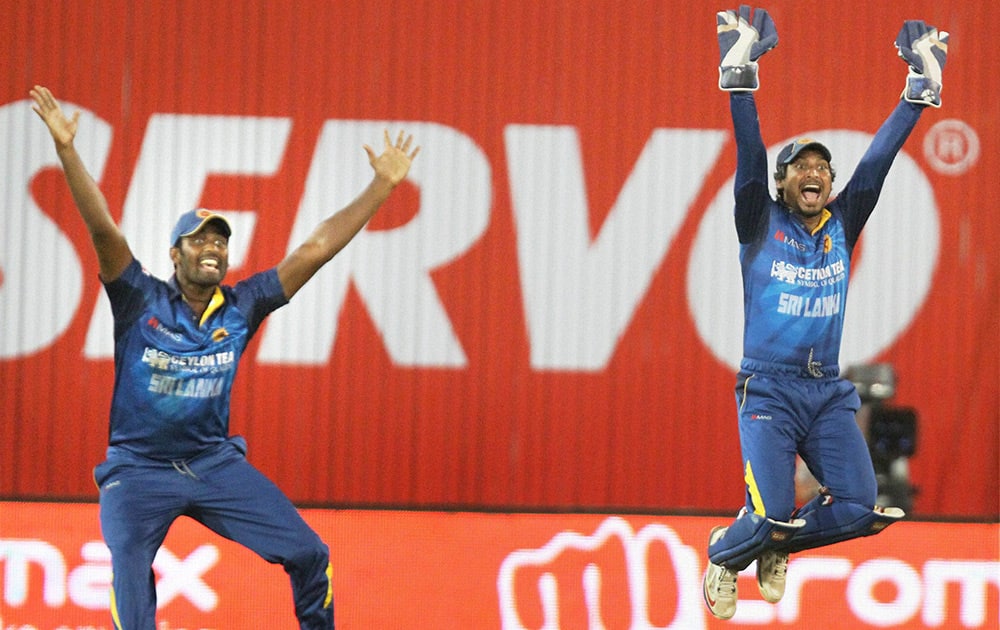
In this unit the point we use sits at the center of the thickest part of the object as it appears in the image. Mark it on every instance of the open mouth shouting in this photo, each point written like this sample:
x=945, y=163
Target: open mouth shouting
x=811, y=193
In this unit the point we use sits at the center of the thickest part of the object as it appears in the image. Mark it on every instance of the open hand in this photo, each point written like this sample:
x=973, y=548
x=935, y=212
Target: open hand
x=63, y=129
x=394, y=162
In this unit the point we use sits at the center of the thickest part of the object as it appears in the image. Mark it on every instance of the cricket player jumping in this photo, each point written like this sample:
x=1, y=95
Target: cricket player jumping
x=795, y=254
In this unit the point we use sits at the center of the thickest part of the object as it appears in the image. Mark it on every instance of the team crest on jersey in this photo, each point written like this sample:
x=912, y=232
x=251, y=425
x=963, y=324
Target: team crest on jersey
x=784, y=271
x=157, y=359
x=219, y=334
x=827, y=243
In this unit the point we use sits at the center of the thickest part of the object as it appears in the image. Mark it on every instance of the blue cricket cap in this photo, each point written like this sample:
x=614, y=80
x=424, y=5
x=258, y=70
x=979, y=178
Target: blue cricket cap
x=193, y=221
x=791, y=151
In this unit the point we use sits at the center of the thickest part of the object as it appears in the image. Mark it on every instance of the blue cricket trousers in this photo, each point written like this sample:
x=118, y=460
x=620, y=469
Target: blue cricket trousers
x=779, y=417
x=140, y=498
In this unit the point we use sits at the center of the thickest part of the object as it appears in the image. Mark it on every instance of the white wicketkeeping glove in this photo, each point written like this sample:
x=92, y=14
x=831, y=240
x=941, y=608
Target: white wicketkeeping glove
x=925, y=49
x=741, y=42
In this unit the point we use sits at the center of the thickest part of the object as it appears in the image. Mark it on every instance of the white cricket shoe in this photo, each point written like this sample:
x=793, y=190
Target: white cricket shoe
x=719, y=584
x=772, y=566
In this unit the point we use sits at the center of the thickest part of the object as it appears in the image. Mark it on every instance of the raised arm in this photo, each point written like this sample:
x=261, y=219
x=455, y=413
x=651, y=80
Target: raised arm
x=333, y=233
x=113, y=253
x=925, y=50
x=744, y=36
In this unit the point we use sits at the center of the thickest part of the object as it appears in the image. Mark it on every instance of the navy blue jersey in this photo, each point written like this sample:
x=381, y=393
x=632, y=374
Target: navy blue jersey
x=795, y=281
x=174, y=373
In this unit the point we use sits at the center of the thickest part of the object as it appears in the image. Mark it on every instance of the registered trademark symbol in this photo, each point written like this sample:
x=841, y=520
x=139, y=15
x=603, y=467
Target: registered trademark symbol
x=951, y=147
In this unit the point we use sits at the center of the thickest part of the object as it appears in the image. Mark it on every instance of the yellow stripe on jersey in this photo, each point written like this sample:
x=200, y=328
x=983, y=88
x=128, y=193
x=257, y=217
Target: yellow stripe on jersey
x=823, y=218
x=746, y=386
x=329, y=585
x=218, y=299
x=114, y=607
x=758, y=501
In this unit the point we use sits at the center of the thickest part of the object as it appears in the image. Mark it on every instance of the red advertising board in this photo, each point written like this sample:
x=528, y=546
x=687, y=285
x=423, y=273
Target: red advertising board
x=547, y=315
x=463, y=570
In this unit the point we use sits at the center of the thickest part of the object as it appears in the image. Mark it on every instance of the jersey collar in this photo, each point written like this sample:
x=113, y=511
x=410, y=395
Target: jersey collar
x=214, y=304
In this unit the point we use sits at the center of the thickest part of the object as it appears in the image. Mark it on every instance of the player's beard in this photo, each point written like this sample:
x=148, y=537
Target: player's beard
x=198, y=274
x=809, y=211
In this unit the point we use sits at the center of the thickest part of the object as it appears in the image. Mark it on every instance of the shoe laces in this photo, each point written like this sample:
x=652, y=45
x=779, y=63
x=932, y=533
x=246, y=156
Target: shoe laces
x=727, y=583
x=779, y=565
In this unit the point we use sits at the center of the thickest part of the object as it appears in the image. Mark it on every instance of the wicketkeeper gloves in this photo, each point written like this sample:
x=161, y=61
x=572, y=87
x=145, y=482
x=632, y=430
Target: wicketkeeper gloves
x=925, y=50
x=741, y=43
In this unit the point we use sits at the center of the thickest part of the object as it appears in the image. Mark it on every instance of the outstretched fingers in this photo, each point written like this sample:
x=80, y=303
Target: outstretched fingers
x=394, y=161
x=405, y=148
x=47, y=107
x=403, y=143
x=43, y=100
